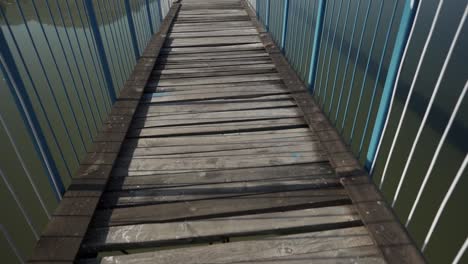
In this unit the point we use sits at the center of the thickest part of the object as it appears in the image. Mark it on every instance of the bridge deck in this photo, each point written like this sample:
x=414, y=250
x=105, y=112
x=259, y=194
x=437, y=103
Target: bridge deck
x=222, y=164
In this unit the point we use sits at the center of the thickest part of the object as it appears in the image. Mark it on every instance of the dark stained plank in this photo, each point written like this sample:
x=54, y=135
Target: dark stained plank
x=157, y=234
x=231, y=127
x=240, y=204
x=348, y=245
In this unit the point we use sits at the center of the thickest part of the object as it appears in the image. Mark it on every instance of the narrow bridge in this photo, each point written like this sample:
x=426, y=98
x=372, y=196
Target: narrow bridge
x=216, y=152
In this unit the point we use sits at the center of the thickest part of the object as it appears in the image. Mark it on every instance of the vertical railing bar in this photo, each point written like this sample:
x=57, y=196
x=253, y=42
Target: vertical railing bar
x=26, y=110
x=62, y=81
x=82, y=57
x=140, y=36
x=325, y=51
x=160, y=11
x=94, y=52
x=122, y=44
x=339, y=58
x=302, y=45
x=49, y=83
x=379, y=71
x=267, y=16
x=347, y=62
x=116, y=44
x=70, y=70
x=405, y=33
x=132, y=29
x=150, y=20
x=330, y=56
x=285, y=25
x=101, y=50
x=119, y=13
x=355, y=67
x=80, y=49
x=366, y=73
x=316, y=46
x=310, y=43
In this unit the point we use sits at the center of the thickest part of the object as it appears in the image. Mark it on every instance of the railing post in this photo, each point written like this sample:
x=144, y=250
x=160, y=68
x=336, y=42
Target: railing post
x=159, y=10
x=316, y=45
x=16, y=85
x=285, y=24
x=131, y=26
x=267, y=16
x=100, y=48
x=395, y=63
x=150, y=20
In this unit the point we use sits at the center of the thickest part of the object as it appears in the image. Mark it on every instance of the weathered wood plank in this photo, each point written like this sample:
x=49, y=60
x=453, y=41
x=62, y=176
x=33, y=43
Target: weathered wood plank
x=194, y=42
x=234, y=205
x=239, y=47
x=221, y=128
x=214, y=80
x=346, y=245
x=193, y=107
x=277, y=173
x=150, y=235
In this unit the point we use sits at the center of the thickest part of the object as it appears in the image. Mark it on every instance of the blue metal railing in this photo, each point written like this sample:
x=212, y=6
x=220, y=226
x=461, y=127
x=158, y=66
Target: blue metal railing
x=63, y=63
x=387, y=74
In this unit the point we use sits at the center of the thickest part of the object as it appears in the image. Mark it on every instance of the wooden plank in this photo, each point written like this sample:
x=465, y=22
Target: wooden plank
x=296, y=171
x=204, y=64
x=347, y=245
x=234, y=205
x=223, y=87
x=203, y=118
x=239, y=47
x=211, y=57
x=150, y=235
x=215, y=33
x=222, y=128
x=233, y=69
x=154, y=110
x=223, y=138
x=230, y=151
x=214, y=149
x=203, y=163
x=214, y=80
x=194, y=42
x=213, y=97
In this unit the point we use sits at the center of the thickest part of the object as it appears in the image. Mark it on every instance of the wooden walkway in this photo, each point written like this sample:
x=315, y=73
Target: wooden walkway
x=219, y=164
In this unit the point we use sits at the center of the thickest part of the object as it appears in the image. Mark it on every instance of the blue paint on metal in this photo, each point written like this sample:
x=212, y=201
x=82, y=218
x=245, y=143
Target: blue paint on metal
x=62, y=81
x=111, y=27
x=159, y=10
x=285, y=24
x=25, y=107
x=49, y=83
x=358, y=107
x=150, y=20
x=324, y=50
x=347, y=62
x=400, y=43
x=97, y=70
x=69, y=69
x=317, y=41
x=384, y=51
x=80, y=49
x=131, y=26
x=267, y=16
x=100, y=48
x=339, y=58
x=36, y=93
x=330, y=55
x=355, y=67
